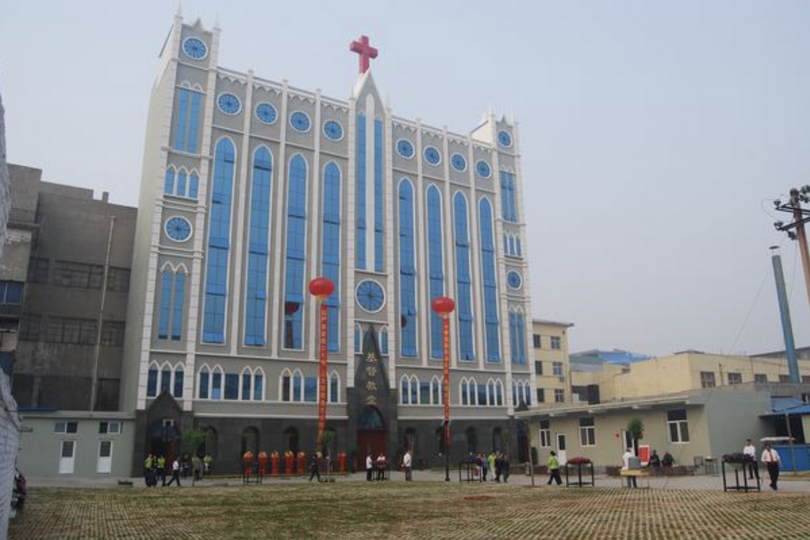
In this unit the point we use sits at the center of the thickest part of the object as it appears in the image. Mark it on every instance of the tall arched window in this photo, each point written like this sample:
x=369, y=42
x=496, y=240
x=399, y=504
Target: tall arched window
x=517, y=336
x=165, y=304
x=152, y=381
x=490, y=287
x=405, y=390
x=464, y=302
x=334, y=387
x=360, y=191
x=379, y=220
x=331, y=248
x=508, y=196
x=436, y=391
x=258, y=385
x=247, y=384
x=256, y=296
x=296, y=253
x=436, y=267
x=204, y=383
x=172, y=302
x=219, y=237
x=407, y=269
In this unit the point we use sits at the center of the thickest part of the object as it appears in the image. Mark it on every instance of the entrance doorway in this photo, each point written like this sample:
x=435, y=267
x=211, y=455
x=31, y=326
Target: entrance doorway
x=104, y=462
x=561, y=456
x=371, y=436
x=67, y=457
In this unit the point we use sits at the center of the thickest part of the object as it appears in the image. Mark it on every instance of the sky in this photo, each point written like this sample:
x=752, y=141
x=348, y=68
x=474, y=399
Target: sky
x=653, y=135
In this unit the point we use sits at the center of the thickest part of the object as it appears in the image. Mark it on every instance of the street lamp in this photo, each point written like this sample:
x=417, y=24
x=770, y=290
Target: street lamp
x=321, y=288
x=443, y=306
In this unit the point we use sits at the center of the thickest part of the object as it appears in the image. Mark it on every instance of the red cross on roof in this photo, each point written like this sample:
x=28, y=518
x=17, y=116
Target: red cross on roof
x=362, y=48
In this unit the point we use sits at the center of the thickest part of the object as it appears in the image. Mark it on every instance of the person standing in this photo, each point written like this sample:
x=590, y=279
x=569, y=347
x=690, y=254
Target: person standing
x=750, y=452
x=771, y=459
x=554, y=469
x=148, y=471
x=161, y=468
x=492, y=470
x=407, y=463
x=369, y=467
x=175, y=473
x=505, y=468
x=314, y=466
x=628, y=455
x=382, y=464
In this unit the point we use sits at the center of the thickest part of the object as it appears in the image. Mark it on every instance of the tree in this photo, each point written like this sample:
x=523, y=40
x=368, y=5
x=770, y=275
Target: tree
x=635, y=427
x=193, y=438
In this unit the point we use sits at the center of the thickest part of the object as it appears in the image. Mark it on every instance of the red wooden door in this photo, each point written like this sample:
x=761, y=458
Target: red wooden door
x=373, y=441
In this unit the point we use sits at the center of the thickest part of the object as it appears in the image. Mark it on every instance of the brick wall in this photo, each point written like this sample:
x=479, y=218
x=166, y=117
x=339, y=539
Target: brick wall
x=9, y=444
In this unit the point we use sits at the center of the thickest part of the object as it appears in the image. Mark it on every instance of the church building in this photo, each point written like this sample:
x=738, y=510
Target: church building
x=251, y=188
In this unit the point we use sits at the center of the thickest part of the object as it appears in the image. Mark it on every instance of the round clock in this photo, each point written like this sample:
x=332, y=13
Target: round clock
x=229, y=103
x=370, y=296
x=504, y=139
x=300, y=121
x=405, y=148
x=482, y=168
x=333, y=130
x=266, y=113
x=458, y=162
x=514, y=280
x=178, y=229
x=195, y=48
x=432, y=155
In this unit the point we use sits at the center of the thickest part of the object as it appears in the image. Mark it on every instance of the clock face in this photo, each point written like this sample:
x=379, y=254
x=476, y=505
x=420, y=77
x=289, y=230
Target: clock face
x=504, y=139
x=266, y=113
x=405, y=148
x=178, y=229
x=370, y=296
x=458, y=162
x=195, y=48
x=229, y=103
x=432, y=155
x=482, y=168
x=514, y=280
x=333, y=130
x=300, y=121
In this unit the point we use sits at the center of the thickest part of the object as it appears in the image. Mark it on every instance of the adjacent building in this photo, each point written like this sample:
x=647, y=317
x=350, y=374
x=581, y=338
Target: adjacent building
x=250, y=189
x=551, y=362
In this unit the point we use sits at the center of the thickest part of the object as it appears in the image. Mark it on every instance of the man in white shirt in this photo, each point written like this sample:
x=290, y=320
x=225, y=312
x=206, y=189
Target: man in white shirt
x=628, y=455
x=750, y=452
x=369, y=467
x=771, y=459
x=175, y=473
x=406, y=464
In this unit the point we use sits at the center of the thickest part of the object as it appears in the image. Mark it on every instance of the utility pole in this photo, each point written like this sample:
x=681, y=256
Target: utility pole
x=800, y=217
x=97, y=348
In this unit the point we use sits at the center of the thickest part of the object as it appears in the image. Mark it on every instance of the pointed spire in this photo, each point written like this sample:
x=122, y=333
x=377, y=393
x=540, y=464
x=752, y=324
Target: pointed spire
x=216, y=22
x=179, y=10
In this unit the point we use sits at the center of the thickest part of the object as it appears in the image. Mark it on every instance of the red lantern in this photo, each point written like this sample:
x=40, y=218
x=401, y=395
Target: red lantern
x=443, y=306
x=321, y=288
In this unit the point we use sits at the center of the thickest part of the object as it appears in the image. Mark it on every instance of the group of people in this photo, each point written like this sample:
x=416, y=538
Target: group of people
x=155, y=468
x=770, y=458
x=495, y=466
x=376, y=468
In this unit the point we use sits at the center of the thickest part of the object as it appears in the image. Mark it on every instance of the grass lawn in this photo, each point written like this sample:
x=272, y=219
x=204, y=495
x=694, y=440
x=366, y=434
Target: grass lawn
x=419, y=510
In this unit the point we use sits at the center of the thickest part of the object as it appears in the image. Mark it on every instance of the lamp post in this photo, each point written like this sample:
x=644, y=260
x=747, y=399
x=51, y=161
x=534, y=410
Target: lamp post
x=443, y=306
x=321, y=288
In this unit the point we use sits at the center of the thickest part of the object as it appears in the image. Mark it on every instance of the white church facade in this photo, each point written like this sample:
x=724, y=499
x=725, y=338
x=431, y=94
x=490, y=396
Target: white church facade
x=250, y=189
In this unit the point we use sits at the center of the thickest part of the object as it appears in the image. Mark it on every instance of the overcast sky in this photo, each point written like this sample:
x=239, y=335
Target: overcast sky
x=653, y=134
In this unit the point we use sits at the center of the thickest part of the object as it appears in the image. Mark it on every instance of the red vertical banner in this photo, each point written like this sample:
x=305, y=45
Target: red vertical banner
x=446, y=377
x=322, y=391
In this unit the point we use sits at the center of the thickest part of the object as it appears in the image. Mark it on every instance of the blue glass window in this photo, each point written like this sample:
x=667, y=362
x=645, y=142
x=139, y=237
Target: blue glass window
x=256, y=294
x=178, y=229
x=299, y=120
x=330, y=264
x=193, y=186
x=311, y=389
x=508, y=196
x=435, y=267
x=168, y=184
x=370, y=296
x=195, y=48
x=296, y=253
x=404, y=391
x=203, y=383
x=181, y=183
x=151, y=383
x=165, y=304
x=231, y=386
x=178, y=383
x=358, y=338
x=258, y=386
x=187, y=120
x=333, y=130
x=266, y=113
x=229, y=103
x=177, y=309
x=407, y=269
x=298, y=383
x=379, y=256
x=384, y=342
x=521, y=339
x=483, y=169
x=517, y=337
x=458, y=162
x=360, y=202
x=216, y=384
x=514, y=280
x=511, y=245
x=504, y=139
x=463, y=281
x=165, y=380
x=481, y=392
x=334, y=389
x=405, y=148
x=518, y=250
x=219, y=234
x=490, y=287
x=432, y=155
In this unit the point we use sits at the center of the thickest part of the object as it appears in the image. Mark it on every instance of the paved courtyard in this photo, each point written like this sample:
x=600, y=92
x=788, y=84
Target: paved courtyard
x=418, y=510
